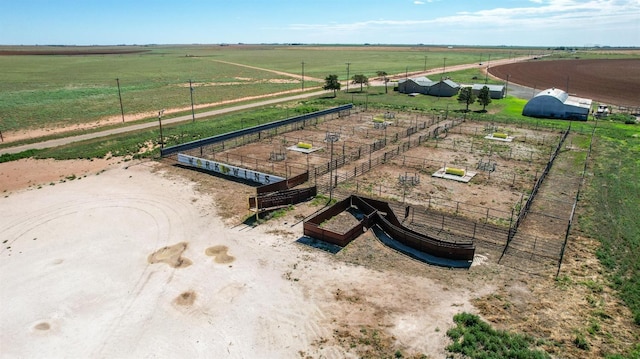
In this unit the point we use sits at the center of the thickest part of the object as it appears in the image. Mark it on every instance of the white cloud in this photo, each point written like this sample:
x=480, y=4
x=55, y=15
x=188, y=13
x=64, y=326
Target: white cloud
x=565, y=17
x=552, y=11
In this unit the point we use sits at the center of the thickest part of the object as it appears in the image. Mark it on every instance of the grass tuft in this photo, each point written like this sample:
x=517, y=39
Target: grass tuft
x=475, y=338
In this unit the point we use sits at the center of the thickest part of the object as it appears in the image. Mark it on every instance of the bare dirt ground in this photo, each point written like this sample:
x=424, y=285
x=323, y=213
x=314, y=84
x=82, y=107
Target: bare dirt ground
x=143, y=259
x=140, y=260
x=612, y=82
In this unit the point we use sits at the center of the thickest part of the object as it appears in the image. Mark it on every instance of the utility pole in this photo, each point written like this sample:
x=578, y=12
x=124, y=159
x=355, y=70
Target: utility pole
x=506, y=89
x=486, y=75
x=331, y=137
x=444, y=68
x=348, y=64
x=193, y=114
x=303, y=75
x=406, y=72
x=120, y=97
x=425, y=64
x=160, y=113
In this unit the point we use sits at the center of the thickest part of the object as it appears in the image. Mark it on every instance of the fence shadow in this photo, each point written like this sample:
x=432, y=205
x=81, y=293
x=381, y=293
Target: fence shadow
x=319, y=244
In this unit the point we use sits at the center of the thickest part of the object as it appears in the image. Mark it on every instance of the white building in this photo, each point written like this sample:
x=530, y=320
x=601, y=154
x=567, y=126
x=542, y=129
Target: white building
x=555, y=103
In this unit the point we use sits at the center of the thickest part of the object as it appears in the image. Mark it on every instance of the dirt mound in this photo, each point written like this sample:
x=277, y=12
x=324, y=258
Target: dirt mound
x=185, y=299
x=171, y=255
x=219, y=254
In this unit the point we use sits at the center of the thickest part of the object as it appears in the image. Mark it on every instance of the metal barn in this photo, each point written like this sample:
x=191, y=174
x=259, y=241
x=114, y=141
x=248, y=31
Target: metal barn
x=495, y=91
x=555, y=103
x=422, y=85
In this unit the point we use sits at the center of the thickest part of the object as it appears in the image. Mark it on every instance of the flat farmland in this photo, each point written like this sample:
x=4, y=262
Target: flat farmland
x=63, y=91
x=611, y=81
x=58, y=87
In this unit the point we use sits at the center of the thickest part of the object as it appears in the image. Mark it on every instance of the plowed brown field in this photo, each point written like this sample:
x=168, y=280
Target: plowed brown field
x=614, y=82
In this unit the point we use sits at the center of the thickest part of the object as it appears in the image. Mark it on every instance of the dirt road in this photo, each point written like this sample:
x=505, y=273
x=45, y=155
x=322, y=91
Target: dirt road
x=142, y=126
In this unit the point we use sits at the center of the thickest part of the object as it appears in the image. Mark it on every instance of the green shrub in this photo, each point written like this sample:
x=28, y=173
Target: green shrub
x=622, y=117
x=475, y=338
x=581, y=342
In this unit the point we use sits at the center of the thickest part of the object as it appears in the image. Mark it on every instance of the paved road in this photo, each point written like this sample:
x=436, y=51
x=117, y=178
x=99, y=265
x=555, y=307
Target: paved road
x=513, y=90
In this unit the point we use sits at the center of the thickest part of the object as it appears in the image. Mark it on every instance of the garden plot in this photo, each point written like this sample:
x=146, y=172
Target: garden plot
x=384, y=182
x=283, y=155
x=530, y=138
x=365, y=127
x=504, y=173
x=490, y=170
x=526, y=149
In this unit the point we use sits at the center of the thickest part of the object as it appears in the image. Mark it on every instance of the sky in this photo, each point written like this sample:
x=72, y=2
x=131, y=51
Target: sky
x=431, y=22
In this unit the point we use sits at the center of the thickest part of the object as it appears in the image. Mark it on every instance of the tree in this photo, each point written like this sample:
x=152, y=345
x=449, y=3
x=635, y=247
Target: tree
x=331, y=83
x=383, y=74
x=484, y=97
x=466, y=96
x=360, y=79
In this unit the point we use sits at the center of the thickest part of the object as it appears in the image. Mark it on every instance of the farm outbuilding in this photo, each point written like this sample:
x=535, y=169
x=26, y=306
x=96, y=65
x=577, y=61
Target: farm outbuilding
x=555, y=103
x=415, y=85
x=425, y=86
x=495, y=91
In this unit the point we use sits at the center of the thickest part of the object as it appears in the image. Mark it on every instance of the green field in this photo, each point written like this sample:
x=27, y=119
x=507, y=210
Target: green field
x=45, y=91
x=61, y=90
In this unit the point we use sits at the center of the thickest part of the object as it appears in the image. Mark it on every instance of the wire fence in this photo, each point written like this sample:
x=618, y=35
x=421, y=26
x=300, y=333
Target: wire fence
x=462, y=221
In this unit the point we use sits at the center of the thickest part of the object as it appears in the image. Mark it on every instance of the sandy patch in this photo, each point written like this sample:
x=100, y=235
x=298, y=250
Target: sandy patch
x=77, y=279
x=219, y=254
x=32, y=173
x=186, y=298
x=171, y=255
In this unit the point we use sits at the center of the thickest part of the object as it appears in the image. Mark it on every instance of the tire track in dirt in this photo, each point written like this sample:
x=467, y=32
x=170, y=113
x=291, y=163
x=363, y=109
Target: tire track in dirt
x=295, y=76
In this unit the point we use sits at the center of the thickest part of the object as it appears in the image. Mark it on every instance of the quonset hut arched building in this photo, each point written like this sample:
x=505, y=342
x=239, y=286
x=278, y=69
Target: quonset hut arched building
x=554, y=103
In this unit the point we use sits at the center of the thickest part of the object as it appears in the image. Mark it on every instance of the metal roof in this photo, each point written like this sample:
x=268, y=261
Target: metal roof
x=422, y=81
x=491, y=87
x=578, y=102
x=565, y=98
x=554, y=92
x=451, y=83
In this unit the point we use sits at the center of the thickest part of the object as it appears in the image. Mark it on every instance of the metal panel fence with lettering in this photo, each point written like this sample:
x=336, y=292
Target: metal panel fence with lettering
x=256, y=131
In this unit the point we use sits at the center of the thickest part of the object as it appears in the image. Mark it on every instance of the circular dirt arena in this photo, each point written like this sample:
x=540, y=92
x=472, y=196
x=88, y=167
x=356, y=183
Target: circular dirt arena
x=615, y=82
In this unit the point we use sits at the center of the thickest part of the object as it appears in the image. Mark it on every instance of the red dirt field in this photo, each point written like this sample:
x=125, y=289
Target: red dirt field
x=615, y=82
